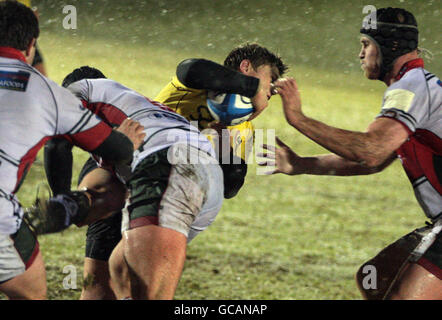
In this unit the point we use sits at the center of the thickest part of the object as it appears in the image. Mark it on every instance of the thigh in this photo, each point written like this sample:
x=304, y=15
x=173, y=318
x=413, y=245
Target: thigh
x=417, y=283
x=170, y=196
x=108, y=193
x=155, y=257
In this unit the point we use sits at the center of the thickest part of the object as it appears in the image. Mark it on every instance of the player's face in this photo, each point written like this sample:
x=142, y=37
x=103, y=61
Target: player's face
x=369, y=57
x=266, y=75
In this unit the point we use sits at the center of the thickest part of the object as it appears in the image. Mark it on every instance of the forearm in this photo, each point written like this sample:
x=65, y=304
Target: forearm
x=334, y=165
x=358, y=147
x=116, y=149
x=208, y=75
x=58, y=164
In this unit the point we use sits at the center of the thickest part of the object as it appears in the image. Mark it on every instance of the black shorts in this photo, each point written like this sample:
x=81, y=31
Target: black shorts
x=102, y=236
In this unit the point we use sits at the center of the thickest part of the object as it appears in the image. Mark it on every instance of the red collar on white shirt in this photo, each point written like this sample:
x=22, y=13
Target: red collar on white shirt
x=8, y=52
x=412, y=64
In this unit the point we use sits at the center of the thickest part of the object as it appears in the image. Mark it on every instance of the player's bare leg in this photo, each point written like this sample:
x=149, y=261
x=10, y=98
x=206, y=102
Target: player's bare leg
x=30, y=285
x=417, y=283
x=119, y=271
x=155, y=256
x=107, y=194
x=96, y=281
x=108, y=197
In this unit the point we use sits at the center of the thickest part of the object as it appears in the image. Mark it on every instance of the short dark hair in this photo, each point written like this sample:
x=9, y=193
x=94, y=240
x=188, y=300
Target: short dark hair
x=18, y=25
x=257, y=55
x=84, y=72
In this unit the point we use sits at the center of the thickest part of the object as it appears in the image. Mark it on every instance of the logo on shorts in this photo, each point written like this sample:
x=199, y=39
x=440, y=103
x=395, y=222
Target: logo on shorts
x=17, y=81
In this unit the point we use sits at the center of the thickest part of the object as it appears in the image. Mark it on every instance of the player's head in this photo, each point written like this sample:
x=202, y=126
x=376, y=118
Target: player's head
x=18, y=28
x=393, y=34
x=81, y=73
x=257, y=61
x=258, y=56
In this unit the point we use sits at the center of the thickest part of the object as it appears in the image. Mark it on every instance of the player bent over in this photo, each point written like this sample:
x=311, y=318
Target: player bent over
x=33, y=109
x=175, y=184
x=247, y=70
x=408, y=127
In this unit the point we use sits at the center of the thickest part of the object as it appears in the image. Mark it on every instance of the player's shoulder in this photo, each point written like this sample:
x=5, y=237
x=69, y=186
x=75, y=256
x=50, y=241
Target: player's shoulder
x=413, y=80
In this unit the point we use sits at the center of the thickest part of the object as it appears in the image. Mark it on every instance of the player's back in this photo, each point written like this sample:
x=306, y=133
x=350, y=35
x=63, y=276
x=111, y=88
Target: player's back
x=114, y=102
x=27, y=116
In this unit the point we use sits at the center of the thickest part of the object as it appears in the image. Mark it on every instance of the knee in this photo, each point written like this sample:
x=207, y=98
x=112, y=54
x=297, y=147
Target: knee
x=117, y=267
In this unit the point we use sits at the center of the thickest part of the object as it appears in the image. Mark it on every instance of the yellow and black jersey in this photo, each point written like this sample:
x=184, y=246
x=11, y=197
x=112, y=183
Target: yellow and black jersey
x=192, y=104
x=26, y=2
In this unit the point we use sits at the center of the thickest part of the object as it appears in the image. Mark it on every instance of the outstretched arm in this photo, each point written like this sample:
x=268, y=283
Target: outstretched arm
x=286, y=161
x=371, y=148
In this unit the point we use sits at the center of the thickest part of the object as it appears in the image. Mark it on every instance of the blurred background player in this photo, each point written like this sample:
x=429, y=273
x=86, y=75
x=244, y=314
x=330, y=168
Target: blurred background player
x=30, y=114
x=409, y=127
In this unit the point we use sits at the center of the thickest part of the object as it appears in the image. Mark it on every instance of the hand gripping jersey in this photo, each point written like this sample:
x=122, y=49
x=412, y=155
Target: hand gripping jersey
x=33, y=109
x=192, y=104
x=114, y=102
x=415, y=101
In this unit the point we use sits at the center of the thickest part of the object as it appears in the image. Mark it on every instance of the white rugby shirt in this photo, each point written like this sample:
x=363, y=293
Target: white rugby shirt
x=114, y=102
x=415, y=101
x=32, y=110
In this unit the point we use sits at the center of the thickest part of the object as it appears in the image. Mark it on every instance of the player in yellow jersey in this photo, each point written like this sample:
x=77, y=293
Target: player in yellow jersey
x=191, y=101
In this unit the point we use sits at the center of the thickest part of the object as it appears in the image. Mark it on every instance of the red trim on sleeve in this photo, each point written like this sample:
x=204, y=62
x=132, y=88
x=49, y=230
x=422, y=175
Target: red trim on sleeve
x=90, y=139
x=108, y=112
x=12, y=53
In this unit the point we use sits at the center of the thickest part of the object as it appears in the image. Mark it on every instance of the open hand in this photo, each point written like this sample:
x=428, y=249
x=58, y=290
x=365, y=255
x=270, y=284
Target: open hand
x=133, y=130
x=284, y=159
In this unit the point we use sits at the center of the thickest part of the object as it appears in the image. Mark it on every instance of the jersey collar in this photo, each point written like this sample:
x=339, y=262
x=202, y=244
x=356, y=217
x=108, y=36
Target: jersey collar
x=8, y=52
x=412, y=64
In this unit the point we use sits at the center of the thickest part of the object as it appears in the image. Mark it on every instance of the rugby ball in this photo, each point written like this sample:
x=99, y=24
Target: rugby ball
x=229, y=109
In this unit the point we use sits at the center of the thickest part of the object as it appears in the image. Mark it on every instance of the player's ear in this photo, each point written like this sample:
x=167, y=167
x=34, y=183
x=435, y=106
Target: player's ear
x=245, y=66
x=30, y=51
